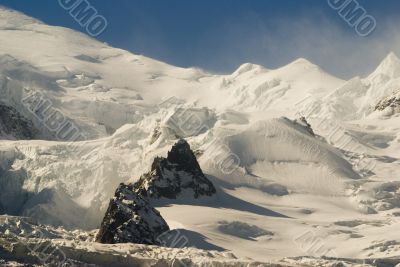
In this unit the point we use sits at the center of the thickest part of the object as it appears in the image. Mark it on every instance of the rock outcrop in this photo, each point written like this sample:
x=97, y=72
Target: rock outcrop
x=391, y=104
x=178, y=173
x=304, y=123
x=130, y=218
x=14, y=126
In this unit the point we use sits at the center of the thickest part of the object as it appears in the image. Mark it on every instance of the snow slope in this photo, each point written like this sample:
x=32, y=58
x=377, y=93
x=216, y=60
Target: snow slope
x=281, y=191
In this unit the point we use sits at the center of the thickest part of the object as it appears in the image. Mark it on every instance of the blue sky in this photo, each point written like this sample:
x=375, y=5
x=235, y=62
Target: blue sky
x=220, y=35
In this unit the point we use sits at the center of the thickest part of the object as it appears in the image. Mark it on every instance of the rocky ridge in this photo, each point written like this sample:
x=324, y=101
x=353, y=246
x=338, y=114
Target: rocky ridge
x=391, y=103
x=171, y=176
x=130, y=217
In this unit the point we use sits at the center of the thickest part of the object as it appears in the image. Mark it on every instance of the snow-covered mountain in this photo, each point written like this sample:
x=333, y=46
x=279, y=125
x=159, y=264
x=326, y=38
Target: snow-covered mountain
x=283, y=189
x=359, y=97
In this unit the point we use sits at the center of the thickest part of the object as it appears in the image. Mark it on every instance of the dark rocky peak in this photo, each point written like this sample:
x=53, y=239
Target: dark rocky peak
x=182, y=155
x=170, y=176
x=130, y=218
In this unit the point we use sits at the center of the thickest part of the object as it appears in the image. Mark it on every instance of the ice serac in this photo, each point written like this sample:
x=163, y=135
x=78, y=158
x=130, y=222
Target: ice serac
x=177, y=174
x=130, y=218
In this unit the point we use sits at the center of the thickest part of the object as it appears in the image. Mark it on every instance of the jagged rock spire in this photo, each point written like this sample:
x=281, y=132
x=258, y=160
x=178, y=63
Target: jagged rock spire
x=130, y=218
x=170, y=176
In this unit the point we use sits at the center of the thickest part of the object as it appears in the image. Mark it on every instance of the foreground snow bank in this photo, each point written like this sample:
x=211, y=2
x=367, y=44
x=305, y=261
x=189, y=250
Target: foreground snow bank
x=24, y=241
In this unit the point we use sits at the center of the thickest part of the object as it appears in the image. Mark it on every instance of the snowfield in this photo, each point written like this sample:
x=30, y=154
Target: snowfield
x=286, y=194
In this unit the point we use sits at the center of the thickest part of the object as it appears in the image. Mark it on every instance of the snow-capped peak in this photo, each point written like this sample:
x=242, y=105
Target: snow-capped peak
x=303, y=62
x=389, y=67
x=246, y=68
x=301, y=65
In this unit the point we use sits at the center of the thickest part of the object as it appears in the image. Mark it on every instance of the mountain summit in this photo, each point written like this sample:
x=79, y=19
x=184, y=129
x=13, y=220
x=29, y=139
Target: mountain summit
x=389, y=67
x=130, y=218
x=172, y=176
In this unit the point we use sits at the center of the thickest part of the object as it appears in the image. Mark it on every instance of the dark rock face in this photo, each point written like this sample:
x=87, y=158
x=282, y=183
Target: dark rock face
x=131, y=219
x=14, y=126
x=303, y=122
x=392, y=102
x=170, y=176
